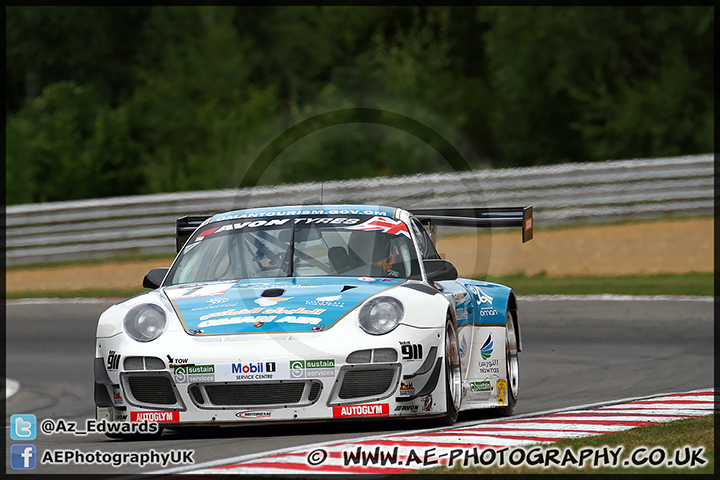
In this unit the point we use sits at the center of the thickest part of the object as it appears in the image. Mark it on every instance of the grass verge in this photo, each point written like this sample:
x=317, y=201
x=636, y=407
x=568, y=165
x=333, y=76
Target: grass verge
x=162, y=258
x=86, y=293
x=663, y=284
x=666, y=284
x=675, y=439
x=451, y=232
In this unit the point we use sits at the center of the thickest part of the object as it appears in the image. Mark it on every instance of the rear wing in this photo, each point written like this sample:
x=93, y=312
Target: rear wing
x=494, y=217
x=185, y=226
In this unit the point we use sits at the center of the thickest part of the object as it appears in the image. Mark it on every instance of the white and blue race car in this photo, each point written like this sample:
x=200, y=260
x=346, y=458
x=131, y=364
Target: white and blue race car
x=321, y=312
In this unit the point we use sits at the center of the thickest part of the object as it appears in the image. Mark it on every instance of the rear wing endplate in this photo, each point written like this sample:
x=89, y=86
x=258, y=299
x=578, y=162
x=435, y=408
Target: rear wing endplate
x=493, y=217
x=185, y=226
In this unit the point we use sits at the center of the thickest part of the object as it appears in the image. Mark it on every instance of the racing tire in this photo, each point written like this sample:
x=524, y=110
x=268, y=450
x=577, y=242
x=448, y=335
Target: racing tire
x=512, y=367
x=135, y=436
x=453, y=376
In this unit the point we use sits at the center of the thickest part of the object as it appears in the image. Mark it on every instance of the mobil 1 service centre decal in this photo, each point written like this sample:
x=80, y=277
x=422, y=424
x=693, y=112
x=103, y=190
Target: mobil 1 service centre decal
x=256, y=370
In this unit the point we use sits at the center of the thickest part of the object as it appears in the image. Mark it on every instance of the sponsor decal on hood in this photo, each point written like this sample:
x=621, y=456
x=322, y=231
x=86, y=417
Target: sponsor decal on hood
x=307, y=304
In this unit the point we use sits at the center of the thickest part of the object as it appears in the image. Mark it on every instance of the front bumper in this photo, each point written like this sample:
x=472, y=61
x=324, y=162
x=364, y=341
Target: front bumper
x=180, y=379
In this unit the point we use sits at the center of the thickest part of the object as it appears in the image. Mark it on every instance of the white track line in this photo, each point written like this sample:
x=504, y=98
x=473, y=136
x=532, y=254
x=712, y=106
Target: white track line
x=60, y=301
x=11, y=387
x=618, y=298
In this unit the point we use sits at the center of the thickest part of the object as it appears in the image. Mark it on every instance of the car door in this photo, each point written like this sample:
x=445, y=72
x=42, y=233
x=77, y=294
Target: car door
x=454, y=291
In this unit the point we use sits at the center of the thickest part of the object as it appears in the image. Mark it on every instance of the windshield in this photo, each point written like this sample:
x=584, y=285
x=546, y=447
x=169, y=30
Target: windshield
x=355, y=246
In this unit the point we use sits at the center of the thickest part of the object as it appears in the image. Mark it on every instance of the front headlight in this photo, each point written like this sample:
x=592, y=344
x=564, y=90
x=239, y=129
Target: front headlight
x=381, y=315
x=145, y=322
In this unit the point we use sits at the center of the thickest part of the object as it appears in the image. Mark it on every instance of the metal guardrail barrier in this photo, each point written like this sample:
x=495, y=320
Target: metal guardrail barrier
x=560, y=194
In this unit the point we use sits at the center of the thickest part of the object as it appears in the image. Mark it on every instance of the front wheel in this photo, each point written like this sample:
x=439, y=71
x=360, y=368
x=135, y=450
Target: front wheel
x=453, y=375
x=512, y=366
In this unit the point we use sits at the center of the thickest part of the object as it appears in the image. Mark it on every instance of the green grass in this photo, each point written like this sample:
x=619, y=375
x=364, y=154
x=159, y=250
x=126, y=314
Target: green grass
x=666, y=284
x=89, y=293
x=663, y=284
x=693, y=433
x=162, y=258
x=538, y=230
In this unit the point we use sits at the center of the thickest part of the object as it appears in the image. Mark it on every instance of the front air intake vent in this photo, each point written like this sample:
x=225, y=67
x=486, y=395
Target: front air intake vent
x=276, y=394
x=154, y=363
x=272, y=292
x=197, y=395
x=158, y=391
x=133, y=363
x=365, y=382
x=315, y=391
x=359, y=356
x=255, y=394
x=143, y=363
x=151, y=390
x=381, y=355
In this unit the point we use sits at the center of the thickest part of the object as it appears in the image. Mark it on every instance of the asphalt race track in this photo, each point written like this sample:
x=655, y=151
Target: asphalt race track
x=575, y=352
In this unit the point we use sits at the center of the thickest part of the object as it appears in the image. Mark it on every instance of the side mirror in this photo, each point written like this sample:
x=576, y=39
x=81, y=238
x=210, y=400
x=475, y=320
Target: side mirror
x=154, y=278
x=438, y=269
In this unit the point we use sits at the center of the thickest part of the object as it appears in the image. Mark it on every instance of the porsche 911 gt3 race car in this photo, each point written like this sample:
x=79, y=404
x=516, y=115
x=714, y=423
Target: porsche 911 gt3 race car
x=324, y=312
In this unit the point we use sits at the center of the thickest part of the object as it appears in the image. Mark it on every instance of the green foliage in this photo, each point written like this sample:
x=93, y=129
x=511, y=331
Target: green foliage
x=105, y=101
x=195, y=107
x=596, y=83
x=86, y=45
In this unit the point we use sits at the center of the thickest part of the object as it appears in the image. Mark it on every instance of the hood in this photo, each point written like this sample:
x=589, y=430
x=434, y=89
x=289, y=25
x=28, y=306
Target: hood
x=271, y=305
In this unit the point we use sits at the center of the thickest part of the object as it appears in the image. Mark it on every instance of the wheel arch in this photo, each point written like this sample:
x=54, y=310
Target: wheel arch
x=513, y=309
x=450, y=315
x=452, y=409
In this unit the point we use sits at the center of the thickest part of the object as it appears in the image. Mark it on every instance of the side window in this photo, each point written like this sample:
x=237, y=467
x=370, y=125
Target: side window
x=427, y=249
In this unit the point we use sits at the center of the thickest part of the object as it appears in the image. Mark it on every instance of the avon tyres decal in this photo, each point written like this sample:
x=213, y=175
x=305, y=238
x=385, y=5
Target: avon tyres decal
x=305, y=304
x=277, y=222
x=255, y=224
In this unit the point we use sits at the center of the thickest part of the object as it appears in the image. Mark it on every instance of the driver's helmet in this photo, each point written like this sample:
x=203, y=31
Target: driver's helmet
x=373, y=248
